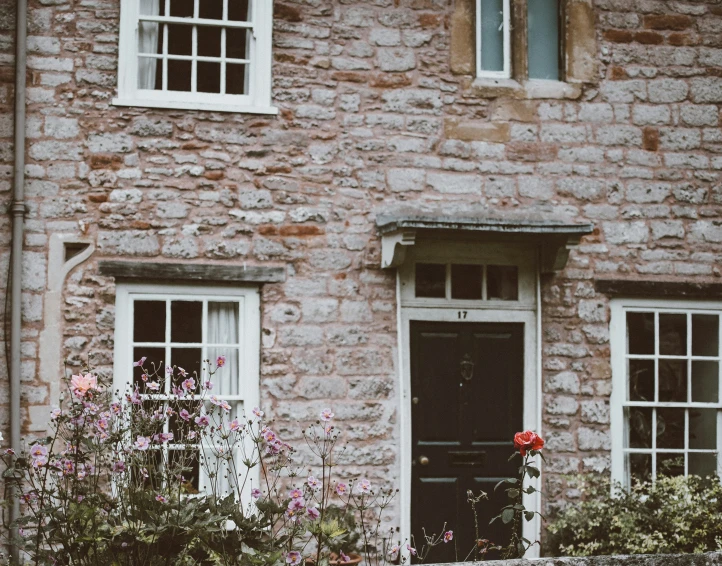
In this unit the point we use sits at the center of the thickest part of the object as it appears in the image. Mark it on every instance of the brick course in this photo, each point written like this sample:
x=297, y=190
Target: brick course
x=374, y=110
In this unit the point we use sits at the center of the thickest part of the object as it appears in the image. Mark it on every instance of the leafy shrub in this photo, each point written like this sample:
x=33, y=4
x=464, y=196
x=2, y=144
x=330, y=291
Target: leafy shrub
x=673, y=515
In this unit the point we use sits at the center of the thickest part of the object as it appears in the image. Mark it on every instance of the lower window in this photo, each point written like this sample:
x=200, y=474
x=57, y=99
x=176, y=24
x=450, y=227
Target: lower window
x=666, y=411
x=177, y=328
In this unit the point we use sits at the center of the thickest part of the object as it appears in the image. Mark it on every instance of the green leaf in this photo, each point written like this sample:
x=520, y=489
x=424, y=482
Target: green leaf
x=512, y=493
x=533, y=472
x=528, y=515
x=507, y=516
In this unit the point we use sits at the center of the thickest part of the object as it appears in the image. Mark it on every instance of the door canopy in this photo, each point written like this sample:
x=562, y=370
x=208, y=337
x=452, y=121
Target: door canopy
x=404, y=228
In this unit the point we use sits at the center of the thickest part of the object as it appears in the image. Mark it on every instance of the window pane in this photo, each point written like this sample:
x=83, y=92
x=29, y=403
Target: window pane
x=185, y=319
x=639, y=466
x=149, y=321
x=209, y=77
x=154, y=364
x=466, y=281
x=431, y=280
x=705, y=335
x=212, y=9
x=236, y=79
x=237, y=43
x=492, y=35
x=670, y=465
x=190, y=360
x=641, y=380
x=502, y=282
x=179, y=8
x=209, y=41
x=639, y=423
x=705, y=382
x=179, y=75
x=186, y=463
x=673, y=381
x=673, y=334
x=223, y=323
x=150, y=37
x=180, y=39
x=703, y=429
x=543, y=39
x=702, y=464
x=670, y=428
x=640, y=333
x=150, y=73
x=238, y=10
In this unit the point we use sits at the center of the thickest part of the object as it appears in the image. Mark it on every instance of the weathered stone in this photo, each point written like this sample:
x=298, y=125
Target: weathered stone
x=476, y=131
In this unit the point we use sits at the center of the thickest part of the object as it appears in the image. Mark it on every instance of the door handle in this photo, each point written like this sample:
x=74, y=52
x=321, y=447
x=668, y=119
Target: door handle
x=423, y=460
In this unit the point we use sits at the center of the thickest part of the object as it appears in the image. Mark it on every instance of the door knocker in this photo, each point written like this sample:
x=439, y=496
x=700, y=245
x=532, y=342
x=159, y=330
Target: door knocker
x=467, y=367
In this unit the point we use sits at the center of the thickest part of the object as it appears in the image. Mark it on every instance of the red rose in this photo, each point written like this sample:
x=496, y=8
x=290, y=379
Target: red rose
x=528, y=440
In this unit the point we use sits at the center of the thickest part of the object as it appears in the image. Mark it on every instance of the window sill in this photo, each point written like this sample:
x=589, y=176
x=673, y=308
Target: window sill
x=485, y=87
x=200, y=106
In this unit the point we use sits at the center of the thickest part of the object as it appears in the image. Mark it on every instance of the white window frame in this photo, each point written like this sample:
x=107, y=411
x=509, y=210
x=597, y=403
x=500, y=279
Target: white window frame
x=619, y=356
x=258, y=70
x=249, y=344
x=506, y=73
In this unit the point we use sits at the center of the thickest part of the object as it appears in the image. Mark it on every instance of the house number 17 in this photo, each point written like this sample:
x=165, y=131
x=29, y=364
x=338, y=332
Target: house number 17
x=462, y=314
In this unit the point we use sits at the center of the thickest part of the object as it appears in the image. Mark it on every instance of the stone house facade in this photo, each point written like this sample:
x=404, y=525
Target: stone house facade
x=382, y=152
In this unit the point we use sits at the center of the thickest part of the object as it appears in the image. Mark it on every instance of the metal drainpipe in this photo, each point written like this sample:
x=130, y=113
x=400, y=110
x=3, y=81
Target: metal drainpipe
x=18, y=214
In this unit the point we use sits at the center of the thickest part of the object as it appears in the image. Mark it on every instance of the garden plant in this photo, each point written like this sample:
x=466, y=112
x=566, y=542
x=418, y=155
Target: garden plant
x=117, y=484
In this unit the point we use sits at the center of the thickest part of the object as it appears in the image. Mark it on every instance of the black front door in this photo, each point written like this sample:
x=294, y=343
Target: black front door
x=467, y=402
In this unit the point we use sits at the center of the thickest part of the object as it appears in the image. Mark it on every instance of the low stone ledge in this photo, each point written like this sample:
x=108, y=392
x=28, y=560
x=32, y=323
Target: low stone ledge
x=658, y=288
x=708, y=559
x=210, y=273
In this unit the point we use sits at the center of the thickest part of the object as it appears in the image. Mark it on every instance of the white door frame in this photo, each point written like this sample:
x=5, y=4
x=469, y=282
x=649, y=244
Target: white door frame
x=475, y=311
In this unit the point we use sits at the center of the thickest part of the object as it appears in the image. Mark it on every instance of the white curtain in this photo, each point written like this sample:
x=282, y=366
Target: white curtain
x=223, y=329
x=148, y=43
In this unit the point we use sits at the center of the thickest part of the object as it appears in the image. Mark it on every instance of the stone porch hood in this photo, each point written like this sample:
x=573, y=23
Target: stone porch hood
x=555, y=236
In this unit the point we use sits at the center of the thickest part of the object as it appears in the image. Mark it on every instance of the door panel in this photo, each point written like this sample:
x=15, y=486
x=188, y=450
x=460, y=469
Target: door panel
x=467, y=403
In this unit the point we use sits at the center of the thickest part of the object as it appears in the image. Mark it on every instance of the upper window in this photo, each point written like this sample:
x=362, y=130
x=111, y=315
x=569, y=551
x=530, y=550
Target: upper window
x=177, y=328
x=529, y=42
x=196, y=54
x=666, y=411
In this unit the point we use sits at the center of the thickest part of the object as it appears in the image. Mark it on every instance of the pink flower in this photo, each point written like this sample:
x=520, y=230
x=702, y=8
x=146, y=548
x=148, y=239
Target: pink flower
x=192, y=434
x=142, y=443
x=296, y=494
x=221, y=361
x=118, y=467
x=313, y=483
x=189, y=384
x=393, y=551
x=255, y=493
x=269, y=436
x=140, y=362
x=68, y=467
x=182, y=372
x=363, y=486
x=161, y=499
x=102, y=424
x=135, y=397
x=202, y=420
x=411, y=549
x=448, y=536
x=342, y=488
x=257, y=412
x=82, y=384
x=234, y=425
x=223, y=404
x=208, y=385
x=185, y=415
x=165, y=437
x=296, y=504
x=39, y=454
x=153, y=386
x=293, y=558
x=326, y=415
x=56, y=413
x=344, y=557
x=313, y=513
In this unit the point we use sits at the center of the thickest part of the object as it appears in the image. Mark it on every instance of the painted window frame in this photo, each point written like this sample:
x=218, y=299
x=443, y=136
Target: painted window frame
x=619, y=356
x=249, y=345
x=506, y=72
x=258, y=99
x=516, y=60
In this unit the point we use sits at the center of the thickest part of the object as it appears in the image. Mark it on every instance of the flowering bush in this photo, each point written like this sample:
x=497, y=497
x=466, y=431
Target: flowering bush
x=170, y=475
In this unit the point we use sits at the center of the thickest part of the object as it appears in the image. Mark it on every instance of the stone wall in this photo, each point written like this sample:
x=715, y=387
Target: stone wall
x=372, y=115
